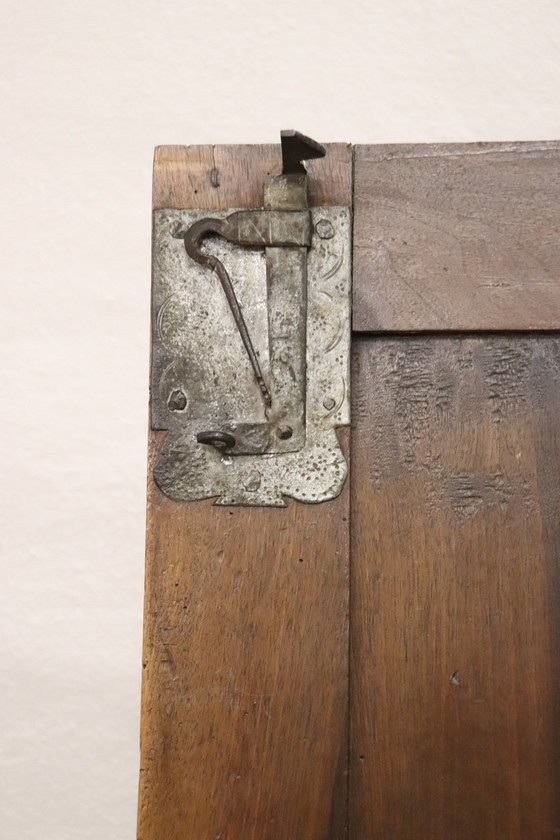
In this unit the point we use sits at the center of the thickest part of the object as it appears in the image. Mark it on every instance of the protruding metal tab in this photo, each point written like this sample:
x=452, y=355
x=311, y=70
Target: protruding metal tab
x=296, y=148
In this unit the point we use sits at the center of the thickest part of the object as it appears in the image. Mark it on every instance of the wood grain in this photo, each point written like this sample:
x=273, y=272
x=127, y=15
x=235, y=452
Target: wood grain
x=457, y=237
x=455, y=582
x=244, y=697
x=212, y=177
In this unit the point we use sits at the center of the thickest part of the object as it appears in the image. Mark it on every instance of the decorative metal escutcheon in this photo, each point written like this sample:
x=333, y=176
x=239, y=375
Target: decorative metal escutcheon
x=251, y=344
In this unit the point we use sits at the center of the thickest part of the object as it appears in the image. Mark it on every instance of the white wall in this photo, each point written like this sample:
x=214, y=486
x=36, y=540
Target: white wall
x=88, y=87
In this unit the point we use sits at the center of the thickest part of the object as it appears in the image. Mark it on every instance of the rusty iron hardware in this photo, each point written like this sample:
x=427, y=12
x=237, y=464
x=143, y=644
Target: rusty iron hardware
x=209, y=407
x=284, y=224
x=257, y=229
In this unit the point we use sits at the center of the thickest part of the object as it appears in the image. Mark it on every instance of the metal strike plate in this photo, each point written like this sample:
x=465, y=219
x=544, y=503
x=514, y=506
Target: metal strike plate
x=251, y=339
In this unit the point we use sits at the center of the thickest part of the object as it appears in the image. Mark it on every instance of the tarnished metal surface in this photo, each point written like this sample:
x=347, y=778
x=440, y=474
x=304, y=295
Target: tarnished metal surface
x=287, y=235
x=287, y=332
x=202, y=379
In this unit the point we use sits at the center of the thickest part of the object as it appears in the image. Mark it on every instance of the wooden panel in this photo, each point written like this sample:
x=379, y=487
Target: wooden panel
x=244, y=697
x=455, y=582
x=459, y=237
x=219, y=177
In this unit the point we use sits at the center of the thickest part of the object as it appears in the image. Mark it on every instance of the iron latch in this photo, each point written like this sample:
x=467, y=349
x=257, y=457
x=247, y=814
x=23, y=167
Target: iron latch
x=251, y=334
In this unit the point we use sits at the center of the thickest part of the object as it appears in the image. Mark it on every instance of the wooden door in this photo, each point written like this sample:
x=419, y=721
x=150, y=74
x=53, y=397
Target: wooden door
x=437, y=567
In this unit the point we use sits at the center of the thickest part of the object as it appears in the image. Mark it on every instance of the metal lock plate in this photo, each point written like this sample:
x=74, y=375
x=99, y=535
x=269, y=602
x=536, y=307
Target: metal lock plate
x=251, y=341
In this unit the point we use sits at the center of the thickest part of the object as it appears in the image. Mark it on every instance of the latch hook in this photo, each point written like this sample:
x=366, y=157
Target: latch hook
x=284, y=224
x=193, y=239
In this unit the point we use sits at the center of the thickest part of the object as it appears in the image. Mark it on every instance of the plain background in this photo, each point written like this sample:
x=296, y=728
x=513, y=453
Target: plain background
x=88, y=88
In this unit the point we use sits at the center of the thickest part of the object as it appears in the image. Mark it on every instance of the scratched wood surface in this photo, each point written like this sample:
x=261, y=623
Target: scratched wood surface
x=457, y=237
x=244, y=696
x=455, y=582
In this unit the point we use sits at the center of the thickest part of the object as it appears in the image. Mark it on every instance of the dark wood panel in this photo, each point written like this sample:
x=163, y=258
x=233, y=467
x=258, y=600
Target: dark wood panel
x=455, y=589
x=457, y=237
x=244, y=696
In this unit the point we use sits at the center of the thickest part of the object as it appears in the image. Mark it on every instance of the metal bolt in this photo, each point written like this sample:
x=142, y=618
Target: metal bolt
x=253, y=482
x=284, y=432
x=177, y=401
x=329, y=403
x=324, y=229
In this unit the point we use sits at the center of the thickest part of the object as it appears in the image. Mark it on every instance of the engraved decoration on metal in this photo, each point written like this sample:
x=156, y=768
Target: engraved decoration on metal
x=202, y=380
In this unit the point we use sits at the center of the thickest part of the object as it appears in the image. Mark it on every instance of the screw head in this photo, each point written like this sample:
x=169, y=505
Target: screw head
x=177, y=401
x=284, y=432
x=324, y=229
x=253, y=482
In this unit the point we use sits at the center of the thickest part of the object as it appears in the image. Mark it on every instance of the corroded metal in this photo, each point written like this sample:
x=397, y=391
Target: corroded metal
x=286, y=237
x=202, y=382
